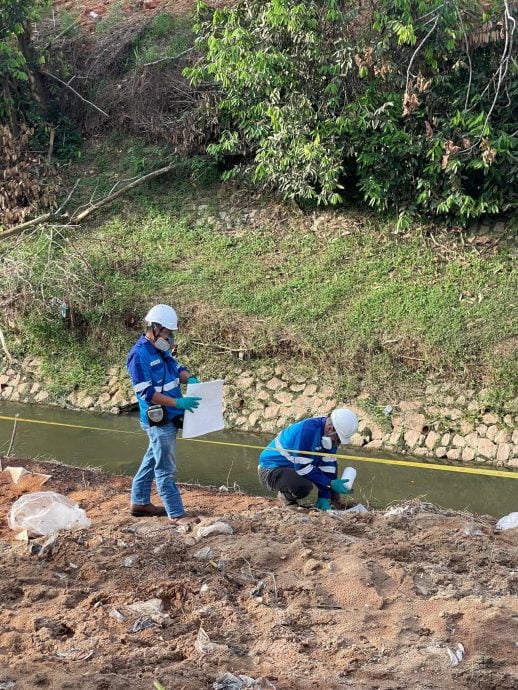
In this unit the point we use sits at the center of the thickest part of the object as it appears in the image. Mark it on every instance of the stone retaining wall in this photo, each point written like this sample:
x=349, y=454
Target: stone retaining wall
x=442, y=422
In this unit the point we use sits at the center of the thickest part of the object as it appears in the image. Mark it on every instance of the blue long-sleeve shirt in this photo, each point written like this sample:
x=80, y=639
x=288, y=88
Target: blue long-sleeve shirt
x=152, y=371
x=303, y=436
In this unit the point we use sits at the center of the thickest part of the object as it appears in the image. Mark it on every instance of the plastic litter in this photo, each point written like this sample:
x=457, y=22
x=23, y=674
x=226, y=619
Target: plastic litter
x=205, y=553
x=456, y=654
x=203, y=645
x=143, y=624
x=358, y=508
x=228, y=681
x=507, y=522
x=46, y=512
x=215, y=528
x=17, y=473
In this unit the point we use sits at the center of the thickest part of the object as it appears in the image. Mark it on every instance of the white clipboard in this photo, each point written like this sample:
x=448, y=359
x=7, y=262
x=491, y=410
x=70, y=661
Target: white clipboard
x=208, y=416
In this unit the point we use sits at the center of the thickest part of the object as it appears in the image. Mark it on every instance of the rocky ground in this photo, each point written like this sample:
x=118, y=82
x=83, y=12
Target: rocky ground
x=408, y=598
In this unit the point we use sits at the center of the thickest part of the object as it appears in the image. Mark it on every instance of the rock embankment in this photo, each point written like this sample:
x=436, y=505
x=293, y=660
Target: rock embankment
x=444, y=422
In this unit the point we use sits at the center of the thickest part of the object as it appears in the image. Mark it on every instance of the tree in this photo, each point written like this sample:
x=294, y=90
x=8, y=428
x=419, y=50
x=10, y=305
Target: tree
x=408, y=102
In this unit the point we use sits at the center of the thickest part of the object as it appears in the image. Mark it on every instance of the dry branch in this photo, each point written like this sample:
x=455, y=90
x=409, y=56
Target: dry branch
x=78, y=217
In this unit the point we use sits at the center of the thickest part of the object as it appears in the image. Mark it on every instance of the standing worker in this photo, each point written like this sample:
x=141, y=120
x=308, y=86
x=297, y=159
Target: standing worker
x=156, y=377
x=293, y=475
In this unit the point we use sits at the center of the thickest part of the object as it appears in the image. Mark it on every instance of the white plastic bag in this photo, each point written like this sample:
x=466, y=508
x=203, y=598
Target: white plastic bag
x=46, y=512
x=507, y=522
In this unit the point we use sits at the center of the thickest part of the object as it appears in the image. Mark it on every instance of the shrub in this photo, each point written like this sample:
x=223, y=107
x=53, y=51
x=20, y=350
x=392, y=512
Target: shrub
x=407, y=102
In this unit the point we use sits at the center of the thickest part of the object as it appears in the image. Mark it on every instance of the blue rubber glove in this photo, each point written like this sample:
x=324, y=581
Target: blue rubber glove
x=193, y=379
x=323, y=504
x=339, y=485
x=187, y=403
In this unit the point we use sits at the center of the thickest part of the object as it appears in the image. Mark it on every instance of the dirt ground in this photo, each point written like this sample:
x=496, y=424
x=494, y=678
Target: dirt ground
x=295, y=600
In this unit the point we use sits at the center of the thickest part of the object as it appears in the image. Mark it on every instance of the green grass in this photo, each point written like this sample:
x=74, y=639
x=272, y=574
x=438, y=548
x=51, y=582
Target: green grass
x=365, y=305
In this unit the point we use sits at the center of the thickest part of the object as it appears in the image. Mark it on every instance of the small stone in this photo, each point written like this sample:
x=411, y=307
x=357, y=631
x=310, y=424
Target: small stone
x=486, y=448
x=415, y=422
x=310, y=566
x=453, y=454
x=275, y=384
x=459, y=441
x=492, y=432
x=468, y=454
x=489, y=419
x=377, y=443
x=271, y=412
x=284, y=398
x=297, y=387
x=412, y=437
x=310, y=389
x=431, y=440
x=445, y=440
x=419, y=451
x=481, y=429
x=503, y=453
x=263, y=395
x=441, y=451
x=502, y=436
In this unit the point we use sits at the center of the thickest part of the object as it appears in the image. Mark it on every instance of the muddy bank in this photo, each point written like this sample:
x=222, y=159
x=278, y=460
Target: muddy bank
x=441, y=421
x=301, y=600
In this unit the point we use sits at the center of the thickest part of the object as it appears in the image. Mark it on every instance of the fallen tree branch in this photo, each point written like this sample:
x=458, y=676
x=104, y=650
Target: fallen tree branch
x=77, y=217
x=49, y=74
x=123, y=190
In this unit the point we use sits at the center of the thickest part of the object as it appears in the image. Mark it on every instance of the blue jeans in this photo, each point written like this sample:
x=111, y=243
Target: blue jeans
x=159, y=463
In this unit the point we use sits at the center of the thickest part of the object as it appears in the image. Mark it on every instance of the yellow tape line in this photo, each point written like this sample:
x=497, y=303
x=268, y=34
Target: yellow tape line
x=380, y=461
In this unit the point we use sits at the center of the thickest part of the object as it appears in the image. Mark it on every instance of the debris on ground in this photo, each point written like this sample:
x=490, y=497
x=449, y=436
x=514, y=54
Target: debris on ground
x=414, y=597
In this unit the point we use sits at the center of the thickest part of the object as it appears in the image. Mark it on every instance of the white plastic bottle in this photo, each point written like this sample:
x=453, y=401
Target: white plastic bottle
x=349, y=474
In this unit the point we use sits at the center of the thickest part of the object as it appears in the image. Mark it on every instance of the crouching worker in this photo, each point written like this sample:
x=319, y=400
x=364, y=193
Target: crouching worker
x=156, y=378
x=284, y=469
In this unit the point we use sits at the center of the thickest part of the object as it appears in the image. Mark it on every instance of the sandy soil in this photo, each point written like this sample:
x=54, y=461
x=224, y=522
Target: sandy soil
x=301, y=600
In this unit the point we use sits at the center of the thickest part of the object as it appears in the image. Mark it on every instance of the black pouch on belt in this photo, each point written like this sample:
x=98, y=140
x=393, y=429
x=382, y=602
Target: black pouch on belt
x=178, y=421
x=157, y=415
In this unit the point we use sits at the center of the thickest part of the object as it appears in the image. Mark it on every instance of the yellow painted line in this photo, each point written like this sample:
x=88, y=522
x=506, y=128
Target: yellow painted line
x=380, y=461
x=71, y=426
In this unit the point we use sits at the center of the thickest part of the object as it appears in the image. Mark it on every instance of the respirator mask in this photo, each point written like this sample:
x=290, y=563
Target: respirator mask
x=327, y=442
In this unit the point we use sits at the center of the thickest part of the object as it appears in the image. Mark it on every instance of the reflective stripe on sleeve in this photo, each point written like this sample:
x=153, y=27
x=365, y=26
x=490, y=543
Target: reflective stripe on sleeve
x=172, y=384
x=138, y=387
x=305, y=470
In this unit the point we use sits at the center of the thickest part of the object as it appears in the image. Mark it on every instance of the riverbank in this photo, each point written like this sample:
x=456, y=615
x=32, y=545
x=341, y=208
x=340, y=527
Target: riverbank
x=302, y=601
x=446, y=422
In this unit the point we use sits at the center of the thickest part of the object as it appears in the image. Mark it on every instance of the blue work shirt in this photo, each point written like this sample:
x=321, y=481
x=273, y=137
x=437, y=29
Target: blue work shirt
x=152, y=371
x=303, y=436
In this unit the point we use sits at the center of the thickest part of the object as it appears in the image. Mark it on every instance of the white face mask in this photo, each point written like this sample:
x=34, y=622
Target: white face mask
x=326, y=442
x=163, y=344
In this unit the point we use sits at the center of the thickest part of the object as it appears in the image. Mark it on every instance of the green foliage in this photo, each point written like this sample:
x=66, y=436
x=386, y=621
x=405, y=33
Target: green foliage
x=409, y=105
x=14, y=68
x=165, y=37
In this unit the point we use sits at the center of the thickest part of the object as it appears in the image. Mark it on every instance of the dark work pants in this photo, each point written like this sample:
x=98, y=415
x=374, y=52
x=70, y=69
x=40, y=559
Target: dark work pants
x=287, y=481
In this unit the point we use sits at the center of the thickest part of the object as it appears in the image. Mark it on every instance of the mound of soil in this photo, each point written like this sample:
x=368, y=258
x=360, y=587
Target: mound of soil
x=418, y=598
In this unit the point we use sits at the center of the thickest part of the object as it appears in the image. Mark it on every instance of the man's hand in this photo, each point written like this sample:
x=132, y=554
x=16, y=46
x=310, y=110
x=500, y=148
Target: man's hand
x=193, y=379
x=339, y=485
x=323, y=504
x=187, y=403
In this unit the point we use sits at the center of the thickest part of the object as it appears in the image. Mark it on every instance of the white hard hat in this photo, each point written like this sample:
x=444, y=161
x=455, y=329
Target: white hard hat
x=345, y=423
x=164, y=315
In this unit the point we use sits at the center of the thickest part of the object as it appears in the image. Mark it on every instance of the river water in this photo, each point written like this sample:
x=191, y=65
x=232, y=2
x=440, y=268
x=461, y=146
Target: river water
x=116, y=444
